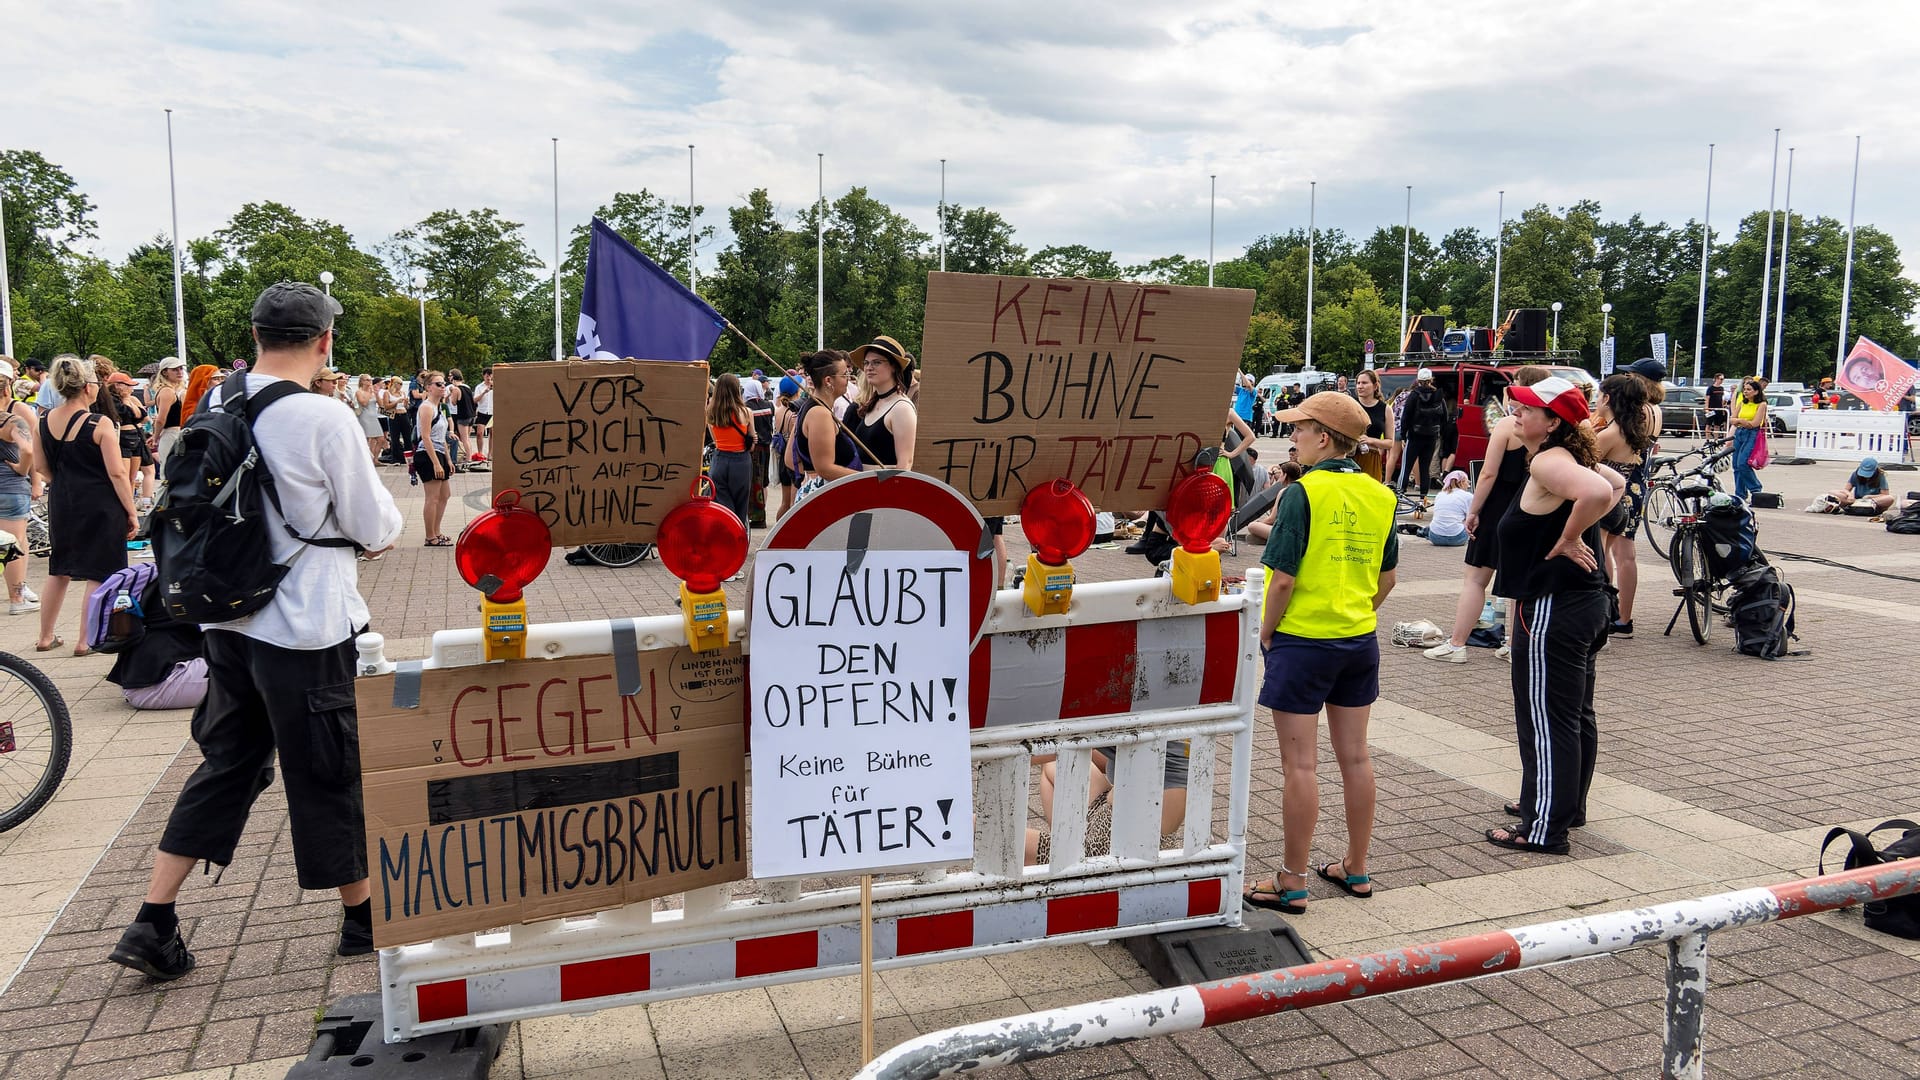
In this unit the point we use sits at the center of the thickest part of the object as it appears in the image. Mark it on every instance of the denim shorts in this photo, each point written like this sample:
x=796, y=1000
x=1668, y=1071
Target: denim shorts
x=14, y=507
x=1306, y=674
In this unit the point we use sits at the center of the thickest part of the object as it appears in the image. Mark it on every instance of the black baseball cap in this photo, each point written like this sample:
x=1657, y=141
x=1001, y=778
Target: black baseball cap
x=34, y=365
x=294, y=311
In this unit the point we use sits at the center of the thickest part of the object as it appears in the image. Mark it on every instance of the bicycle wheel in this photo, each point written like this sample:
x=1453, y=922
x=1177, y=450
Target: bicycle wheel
x=39, y=537
x=1696, y=581
x=618, y=555
x=36, y=737
x=1659, y=517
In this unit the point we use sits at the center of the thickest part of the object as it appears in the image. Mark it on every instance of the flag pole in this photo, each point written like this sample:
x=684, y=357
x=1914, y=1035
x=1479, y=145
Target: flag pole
x=1499, y=247
x=692, y=274
x=558, y=347
x=1213, y=189
x=820, y=261
x=1846, y=280
x=1313, y=187
x=6, y=295
x=179, y=303
x=1406, y=262
x=1780, y=304
x=1706, y=246
x=943, y=215
x=1766, y=272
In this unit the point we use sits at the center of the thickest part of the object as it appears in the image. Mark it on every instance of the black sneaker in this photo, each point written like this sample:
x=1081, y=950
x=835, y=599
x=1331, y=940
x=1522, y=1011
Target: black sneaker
x=579, y=557
x=356, y=939
x=144, y=950
x=1621, y=629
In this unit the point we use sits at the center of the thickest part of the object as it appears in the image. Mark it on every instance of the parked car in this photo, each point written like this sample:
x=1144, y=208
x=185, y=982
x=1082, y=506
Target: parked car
x=1682, y=410
x=1783, y=409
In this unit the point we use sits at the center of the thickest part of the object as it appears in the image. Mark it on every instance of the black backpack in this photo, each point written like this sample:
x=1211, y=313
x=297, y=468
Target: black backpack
x=1899, y=916
x=1729, y=538
x=210, y=534
x=1762, y=610
x=1907, y=520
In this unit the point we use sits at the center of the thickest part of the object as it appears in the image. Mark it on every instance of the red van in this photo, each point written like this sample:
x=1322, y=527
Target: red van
x=1471, y=387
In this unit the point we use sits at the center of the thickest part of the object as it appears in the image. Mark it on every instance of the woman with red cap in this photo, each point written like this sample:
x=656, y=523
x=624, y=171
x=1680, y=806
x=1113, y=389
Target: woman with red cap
x=1549, y=566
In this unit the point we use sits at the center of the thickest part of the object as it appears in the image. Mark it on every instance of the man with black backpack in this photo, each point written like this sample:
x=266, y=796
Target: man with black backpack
x=1426, y=418
x=280, y=655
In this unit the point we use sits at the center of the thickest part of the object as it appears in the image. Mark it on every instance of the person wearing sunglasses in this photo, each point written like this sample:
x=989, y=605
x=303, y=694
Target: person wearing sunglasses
x=432, y=458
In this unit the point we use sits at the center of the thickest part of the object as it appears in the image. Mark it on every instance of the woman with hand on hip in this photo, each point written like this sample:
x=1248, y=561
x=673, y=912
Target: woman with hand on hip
x=90, y=508
x=433, y=459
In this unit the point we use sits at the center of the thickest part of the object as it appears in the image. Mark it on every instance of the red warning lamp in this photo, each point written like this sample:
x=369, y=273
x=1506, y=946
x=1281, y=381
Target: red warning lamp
x=500, y=553
x=1057, y=519
x=702, y=544
x=1197, y=512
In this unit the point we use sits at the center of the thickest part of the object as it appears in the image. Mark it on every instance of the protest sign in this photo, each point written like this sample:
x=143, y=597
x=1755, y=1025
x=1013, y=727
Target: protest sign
x=1875, y=375
x=1110, y=384
x=860, y=748
x=601, y=450
x=1660, y=348
x=1606, y=356
x=532, y=789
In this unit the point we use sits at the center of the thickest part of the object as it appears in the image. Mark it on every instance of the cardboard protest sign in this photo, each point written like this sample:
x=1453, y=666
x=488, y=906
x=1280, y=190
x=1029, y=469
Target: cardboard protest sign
x=601, y=450
x=1110, y=384
x=860, y=749
x=1875, y=375
x=533, y=789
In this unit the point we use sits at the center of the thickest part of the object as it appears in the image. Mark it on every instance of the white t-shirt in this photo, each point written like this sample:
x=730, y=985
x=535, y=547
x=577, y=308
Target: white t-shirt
x=328, y=487
x=1450, y=512
x=483, y=398
x=750, y=389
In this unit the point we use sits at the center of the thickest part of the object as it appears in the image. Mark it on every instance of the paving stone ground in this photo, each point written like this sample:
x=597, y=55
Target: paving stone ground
x=1716, y=772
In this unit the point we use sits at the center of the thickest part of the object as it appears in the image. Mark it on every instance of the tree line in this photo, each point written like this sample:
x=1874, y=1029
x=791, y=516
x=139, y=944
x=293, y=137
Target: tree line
x=489, y=297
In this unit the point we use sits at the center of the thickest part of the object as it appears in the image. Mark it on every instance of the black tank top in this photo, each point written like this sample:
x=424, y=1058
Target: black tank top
x=173, y=414
x=844, y=453
x=877, y=438
x=1376, y=419
x=1525, y=572
x=1513, y=470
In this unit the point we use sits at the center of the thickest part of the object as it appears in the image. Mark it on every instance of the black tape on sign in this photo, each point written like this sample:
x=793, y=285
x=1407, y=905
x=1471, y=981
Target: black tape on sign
x=626, y=656
x=406, y=684
x=486, y=795
x=859, y=530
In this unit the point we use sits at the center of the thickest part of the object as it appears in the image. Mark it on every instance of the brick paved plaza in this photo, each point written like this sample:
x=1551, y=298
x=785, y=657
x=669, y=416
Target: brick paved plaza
x=1716, y=771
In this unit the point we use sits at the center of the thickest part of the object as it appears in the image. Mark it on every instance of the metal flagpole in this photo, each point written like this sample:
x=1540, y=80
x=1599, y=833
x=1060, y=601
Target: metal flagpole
x=179, y=302
x=1780, y=304
x=1706, y=247
x=1766, y=273
x=1846, y=280
x=1312, y=194
x=1213, y=187
x=558, y=338
x=693, y=276
x=820, y=263
x=943, y=215
x=1406, y=261
x=6, y=296
x=1499, y=244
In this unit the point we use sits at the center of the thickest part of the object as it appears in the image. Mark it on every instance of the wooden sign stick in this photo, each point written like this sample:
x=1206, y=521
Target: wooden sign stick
x=866, y=968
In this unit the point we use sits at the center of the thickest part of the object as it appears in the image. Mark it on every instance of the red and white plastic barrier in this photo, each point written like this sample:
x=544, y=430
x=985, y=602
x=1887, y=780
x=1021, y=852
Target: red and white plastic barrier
x=1683, y=926
x=1128, y=668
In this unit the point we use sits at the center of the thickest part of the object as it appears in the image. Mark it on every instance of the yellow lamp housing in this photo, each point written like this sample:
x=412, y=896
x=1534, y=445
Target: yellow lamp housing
x=1048, y=589
x=1196, y=576
x=504, y=627
x=706, y=616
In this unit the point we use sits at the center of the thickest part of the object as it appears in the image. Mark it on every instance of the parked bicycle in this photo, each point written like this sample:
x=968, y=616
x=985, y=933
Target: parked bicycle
x=1702, y=575
x=36, y=732
x=1665, y=505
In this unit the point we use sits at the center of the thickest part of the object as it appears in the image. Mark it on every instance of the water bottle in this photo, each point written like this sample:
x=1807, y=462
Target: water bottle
x=123, y=601
x=122, y=620
x=1488, y=614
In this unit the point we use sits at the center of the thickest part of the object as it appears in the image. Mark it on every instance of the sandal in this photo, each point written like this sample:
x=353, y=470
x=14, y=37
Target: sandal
x=1507, y=838
x=82, y=650
x=49, y=646
x=1345, y=882
x=439, y=541
x=1284, y=901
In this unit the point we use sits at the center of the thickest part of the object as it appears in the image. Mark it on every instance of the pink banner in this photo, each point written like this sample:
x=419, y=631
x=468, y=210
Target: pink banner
x=1876, y=376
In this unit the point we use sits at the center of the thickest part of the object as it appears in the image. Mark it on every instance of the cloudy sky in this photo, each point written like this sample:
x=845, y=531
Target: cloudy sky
x=1096, y=123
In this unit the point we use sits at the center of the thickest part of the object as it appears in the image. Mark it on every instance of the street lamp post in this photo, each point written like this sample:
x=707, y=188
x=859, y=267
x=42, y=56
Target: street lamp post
x=1606, y=320
x=326, y=282
x=420, y=286
x=1556, y=326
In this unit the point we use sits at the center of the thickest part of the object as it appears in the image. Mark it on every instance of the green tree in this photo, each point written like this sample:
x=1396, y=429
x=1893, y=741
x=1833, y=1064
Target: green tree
x=47, y=214
x=1463, y=270
x=390, y=330
x=980, y=241
x=477, y=263
x=1272, y=343
x=876, y=271
x=1075, y=260
x=756, y=272
x=1170, y=270
x=1549, y=257
x=1380, y=257
x=1341, y=328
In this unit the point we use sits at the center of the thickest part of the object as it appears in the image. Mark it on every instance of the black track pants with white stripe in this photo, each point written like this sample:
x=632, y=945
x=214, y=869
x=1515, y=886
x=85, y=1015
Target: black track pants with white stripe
x=1555, y=643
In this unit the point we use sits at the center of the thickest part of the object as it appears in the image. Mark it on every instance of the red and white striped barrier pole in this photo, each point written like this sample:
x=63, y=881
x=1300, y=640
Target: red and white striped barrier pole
x=1683, y=926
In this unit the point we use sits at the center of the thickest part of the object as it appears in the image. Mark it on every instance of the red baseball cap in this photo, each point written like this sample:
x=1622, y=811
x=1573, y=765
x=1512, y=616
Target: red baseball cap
x=1557, y=396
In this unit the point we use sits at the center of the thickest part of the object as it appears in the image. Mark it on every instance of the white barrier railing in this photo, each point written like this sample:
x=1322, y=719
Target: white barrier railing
x=1851, y=434
x=1127, y=668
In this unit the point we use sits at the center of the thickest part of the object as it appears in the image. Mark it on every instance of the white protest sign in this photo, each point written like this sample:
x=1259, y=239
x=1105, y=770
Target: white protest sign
x=1606, y=357
x=1660, y=348
x=860, y=748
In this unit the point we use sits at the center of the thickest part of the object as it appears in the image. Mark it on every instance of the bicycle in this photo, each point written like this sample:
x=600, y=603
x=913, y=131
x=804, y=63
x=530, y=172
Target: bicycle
x=1700, y=590
x=36, y=731
x=1664, y=506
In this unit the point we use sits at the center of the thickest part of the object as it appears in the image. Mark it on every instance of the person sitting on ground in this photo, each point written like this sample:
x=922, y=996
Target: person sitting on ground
x=1449, y=525
x=1173, y=802
x=1283, y=474
x=1866, y=487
